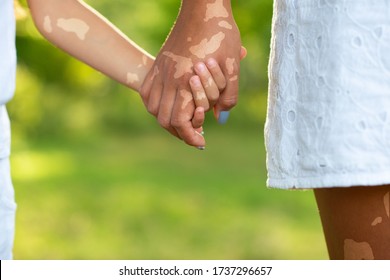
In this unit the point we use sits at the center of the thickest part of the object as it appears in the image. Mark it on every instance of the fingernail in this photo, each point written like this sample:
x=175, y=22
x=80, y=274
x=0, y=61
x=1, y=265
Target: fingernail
x=223, y=117
x=202, y=132
x=202, y=148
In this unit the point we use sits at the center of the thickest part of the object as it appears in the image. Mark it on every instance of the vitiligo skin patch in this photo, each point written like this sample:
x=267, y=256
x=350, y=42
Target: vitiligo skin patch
x=234, y=78
x=187, y=98
x=47, y=24
x=357, y=250
x=230, y=65
x=132, y=78
x=386, y=201
x=225, y=24
x=209, y=82
x=155, y=73
x=216, y=10
x=144, y=62
x=377, y=221
x=74, y=25
x=200, y=95
x=206, y=47
x=183, y=64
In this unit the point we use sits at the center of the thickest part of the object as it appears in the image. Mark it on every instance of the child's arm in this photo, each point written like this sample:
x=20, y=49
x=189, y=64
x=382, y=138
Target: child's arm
x=83, y=33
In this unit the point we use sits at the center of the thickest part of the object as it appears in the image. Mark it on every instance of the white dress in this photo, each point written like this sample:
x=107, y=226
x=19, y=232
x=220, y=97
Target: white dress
x=328, y=120
x=7, y=70
x=7, y=86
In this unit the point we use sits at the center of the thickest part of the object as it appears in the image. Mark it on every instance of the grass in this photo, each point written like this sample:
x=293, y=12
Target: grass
x=120, y=196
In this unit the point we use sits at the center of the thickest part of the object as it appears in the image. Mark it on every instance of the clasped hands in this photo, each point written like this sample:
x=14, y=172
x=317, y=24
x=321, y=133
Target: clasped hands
x=196, y=70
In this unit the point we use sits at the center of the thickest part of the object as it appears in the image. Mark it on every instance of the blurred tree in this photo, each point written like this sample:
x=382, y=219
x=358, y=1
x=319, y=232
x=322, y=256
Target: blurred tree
x=58, y=95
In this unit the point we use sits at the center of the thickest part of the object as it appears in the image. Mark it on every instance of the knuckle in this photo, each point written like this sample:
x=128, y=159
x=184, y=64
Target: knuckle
x=164, y=122
x=176, y=123
x=213, y=97
x=153, y=110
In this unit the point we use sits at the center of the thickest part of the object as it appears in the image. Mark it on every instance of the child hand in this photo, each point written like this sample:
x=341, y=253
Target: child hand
x=209, y=82
x=191, y=106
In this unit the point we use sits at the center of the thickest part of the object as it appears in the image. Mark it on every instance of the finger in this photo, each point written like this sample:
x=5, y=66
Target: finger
x=216, y=72
x=148, y=84
x=154, y=98
x=199, y=93
x=165, y=110
x=229, y=96
x=198, y=119
x=183, y=113
x=209, y=85
x=145, y=91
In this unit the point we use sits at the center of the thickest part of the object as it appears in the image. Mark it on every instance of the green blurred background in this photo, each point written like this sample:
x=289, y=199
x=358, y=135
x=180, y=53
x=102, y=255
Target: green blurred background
x=97, y=178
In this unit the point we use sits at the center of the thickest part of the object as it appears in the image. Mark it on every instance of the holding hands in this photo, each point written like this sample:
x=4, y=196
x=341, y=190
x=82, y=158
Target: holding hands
x=196, y=70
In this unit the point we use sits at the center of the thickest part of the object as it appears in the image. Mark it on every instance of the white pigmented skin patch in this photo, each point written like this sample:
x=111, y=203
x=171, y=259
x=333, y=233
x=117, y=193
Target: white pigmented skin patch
x=47, y=24
x=357, y=250
x=200, y=95
x=230, y=65
x=386, y=201
x=187, y=98
x=144, y=62
x=225, y=24
x=377, y=221
x=132, y=78
x=216, y=10
x=155, y=73
x=209, y=82
x=183, y=64
x=74, y=25
x=206, y=47
x=234, y=78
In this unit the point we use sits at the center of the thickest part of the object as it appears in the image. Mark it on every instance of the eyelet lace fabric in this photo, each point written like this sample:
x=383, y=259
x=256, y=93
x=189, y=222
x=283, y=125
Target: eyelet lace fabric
x=328, y=119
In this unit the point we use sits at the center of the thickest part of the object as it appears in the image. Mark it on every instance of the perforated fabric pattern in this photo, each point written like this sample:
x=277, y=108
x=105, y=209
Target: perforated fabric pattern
x=328, y=120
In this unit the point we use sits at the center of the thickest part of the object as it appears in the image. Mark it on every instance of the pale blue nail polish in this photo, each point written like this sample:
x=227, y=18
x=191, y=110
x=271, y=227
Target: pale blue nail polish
x=223, y=117
x=202, y=148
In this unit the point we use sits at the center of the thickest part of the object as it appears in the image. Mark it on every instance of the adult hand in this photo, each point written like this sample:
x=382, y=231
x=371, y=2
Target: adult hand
x=204, y=29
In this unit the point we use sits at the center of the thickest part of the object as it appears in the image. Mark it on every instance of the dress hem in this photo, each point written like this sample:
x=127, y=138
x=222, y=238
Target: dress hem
x=331, y=181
